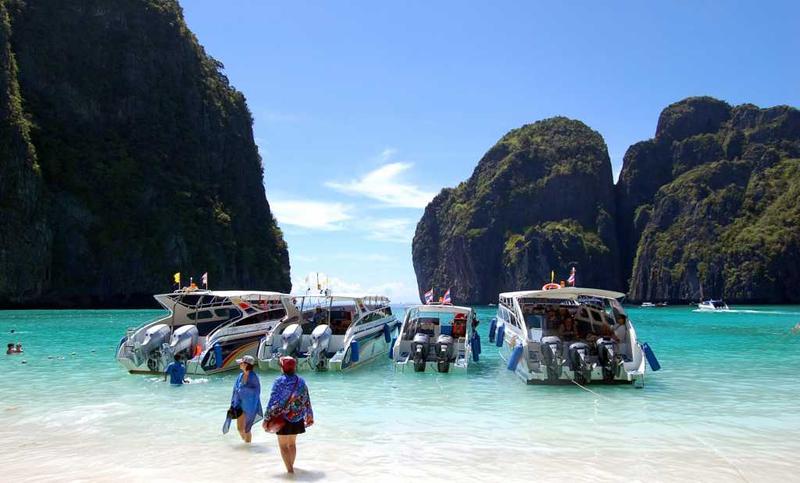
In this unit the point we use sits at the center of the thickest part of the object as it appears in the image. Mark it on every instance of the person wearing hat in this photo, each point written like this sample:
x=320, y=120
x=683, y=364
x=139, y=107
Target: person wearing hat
x=290, y=401
x=246, y=399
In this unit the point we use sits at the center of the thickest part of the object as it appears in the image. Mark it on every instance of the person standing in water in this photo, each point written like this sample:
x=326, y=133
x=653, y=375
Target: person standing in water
x=246, y=398
x=10, y=349
x=289, y=400
x=176, y=371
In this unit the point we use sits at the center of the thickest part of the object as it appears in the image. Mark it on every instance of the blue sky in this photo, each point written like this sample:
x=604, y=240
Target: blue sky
x=364, y=110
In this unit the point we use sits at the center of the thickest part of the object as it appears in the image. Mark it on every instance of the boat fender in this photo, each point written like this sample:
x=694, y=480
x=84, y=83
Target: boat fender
x=492, y=328
x=501, y=332
x=516, y=355
x=354, y=351
x=651, y=357
x=475, y=345
x=217, y=356
x=387, y=333
x=391, y=348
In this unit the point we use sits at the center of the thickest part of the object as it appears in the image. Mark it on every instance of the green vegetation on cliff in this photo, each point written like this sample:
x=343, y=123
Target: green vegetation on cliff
x=541, y=199
x=140, y=157
x=722, y=216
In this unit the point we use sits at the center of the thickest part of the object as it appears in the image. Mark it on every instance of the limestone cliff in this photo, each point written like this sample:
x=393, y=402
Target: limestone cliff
x=711, y=204
x=541, y=199
x=126, y=156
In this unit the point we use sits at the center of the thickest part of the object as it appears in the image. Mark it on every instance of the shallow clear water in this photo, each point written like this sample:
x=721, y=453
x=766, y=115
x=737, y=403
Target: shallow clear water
x=724, y=407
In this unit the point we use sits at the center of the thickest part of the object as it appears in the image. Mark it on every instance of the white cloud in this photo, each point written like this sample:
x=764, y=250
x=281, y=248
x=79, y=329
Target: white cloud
x=397, y=291
x=384, y=184
x=314, y=215
x=397, y=230
x=387, y=154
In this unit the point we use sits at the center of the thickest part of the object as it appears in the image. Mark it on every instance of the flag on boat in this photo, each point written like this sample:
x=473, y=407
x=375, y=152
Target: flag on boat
x=204, y=278
x=552, y=276
x=429, y=296
x=446, y=298
x=571, y=279
x=177, y=278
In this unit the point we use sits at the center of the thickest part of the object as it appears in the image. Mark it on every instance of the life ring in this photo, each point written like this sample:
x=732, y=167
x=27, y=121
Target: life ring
x=550, y=286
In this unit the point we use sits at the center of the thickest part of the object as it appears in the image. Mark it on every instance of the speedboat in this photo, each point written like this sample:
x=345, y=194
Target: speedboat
x=597, y=344
x=437, y=337
x=209, y=329
x=648, y=305
x=331, y=333
x=713, y=306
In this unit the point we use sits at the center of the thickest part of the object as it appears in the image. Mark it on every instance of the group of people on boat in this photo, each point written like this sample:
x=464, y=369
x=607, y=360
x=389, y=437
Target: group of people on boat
x=564, y=323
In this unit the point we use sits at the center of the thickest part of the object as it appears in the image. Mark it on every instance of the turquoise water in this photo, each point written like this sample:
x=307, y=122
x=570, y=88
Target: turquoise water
x=724, y=407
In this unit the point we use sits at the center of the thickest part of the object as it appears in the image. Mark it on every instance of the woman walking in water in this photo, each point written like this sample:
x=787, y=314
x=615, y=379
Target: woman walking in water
x=289, y=410
x=246, y=399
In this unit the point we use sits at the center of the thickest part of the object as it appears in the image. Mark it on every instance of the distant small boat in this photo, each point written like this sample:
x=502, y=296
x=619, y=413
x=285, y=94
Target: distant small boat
x=661, y=305
x=713, y=306
x=648, y=304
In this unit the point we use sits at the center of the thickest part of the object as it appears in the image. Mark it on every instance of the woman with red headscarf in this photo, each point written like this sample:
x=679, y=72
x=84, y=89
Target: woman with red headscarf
x=289, y=408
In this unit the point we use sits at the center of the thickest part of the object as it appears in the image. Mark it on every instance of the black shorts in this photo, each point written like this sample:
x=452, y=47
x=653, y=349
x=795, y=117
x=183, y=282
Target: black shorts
x=234, y=413
x=293, y=428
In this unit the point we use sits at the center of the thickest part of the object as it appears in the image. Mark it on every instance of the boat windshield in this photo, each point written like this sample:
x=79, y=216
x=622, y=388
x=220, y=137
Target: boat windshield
x=338, y=314
x=434, y=324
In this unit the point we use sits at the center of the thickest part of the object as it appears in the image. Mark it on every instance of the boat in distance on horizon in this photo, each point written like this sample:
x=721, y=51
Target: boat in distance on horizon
x=713, y=306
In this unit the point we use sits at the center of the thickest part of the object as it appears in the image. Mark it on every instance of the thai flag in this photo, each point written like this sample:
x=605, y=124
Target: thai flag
x=571, y=279
x=446, y=298
x=429, y=296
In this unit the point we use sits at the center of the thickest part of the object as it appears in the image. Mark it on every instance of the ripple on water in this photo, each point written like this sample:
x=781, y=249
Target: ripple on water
x=722, y=409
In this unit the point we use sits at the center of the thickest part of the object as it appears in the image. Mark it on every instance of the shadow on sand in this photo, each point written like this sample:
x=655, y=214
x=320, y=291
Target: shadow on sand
x=301, y=475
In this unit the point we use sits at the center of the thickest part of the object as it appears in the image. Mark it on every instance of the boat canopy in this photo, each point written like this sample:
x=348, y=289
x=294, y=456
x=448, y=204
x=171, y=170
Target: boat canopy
x=365, y=298
x=566, y=293
x=439, y=308
x=228, y=293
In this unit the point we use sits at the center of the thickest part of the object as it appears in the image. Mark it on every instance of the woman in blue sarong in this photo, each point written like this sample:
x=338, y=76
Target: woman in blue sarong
x=290, y=401
x=246, y=398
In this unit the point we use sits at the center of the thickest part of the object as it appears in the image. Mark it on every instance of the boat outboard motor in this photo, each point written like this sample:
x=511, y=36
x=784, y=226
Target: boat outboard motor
x=320, y=339
x=444, y=352
x=184, y=339
x=576, y=355
x=607, y=355
x=419, y=351
x=291, y=338
x=552, y=348
x=149, y=348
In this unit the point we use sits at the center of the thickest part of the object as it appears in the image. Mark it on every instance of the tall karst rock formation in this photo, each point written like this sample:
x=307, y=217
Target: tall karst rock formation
x=706, y=208
x=541, y=199
x=125, y=156
x=710, y=204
